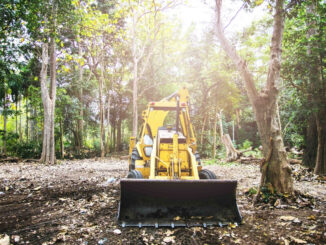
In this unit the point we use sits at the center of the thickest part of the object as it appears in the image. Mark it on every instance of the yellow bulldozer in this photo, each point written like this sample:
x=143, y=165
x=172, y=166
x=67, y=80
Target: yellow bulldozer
x=166, y=184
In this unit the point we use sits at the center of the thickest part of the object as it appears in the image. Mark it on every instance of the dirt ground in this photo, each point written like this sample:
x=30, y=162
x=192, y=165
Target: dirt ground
x=76, y=202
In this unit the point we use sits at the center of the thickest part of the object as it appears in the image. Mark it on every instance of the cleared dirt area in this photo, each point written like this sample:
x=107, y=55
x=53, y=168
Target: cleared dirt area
x=76, y=202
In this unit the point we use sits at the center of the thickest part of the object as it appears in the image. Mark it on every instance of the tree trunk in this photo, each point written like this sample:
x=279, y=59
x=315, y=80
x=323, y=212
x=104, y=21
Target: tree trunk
x=203, y=130
x=135, y=101
x=219, y=117
x=237, y=113
x=311, y=143
x=100, y=79
x=27, y=121
x=264, y=104
x=16, y=118
x=215, y=133
x=119, y=132
x=108, y=137
x=320, y=167
x=20, y=123
x=278, y=170
x=48, y=99
x=102, y=135
x=80, y=121
x=5, y=124
x=62, y=150
x=114, y=137
x=317, y=86
x=231, y=153
x=33, y=124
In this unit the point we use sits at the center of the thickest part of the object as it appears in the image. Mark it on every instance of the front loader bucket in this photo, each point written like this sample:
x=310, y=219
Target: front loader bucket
x=147, y=202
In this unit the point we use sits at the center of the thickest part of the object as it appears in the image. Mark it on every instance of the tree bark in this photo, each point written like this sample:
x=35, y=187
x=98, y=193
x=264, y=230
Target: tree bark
x=119, y=145
x=20, y=123
x=16, y=117
x=215, y=133
x=138, y=53
x=203, y=130
x=264, y=104
x=311, y=143
x=48, y=99
x=320, y=167
x=108, y=137
x=100, y=80
x=135, y=100
x=33, y=124
x=27, y=121
x=231, y=153
x=5, y=124
x=102, y=134
x=113, y=128
x=317, y=86
x=62, y=149
x=80, y=121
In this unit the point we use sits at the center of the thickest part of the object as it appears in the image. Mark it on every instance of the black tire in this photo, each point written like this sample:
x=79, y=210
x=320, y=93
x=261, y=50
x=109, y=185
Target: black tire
x=197, y=158
x=206, y=174
x=134, y=174
x=134, y=156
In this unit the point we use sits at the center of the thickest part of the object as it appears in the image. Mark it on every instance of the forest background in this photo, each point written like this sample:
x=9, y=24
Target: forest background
x=93, y=66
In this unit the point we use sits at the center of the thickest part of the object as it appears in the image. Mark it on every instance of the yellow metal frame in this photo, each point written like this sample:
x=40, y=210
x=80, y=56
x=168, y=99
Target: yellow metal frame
x=177, y=160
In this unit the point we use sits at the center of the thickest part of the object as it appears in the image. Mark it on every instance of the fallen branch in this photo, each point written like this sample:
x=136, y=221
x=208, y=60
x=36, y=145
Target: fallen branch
x=249, y=160
x=31, y=160
x=10, y=159
x=124, y=157
x=249, y=149
x=295, y=161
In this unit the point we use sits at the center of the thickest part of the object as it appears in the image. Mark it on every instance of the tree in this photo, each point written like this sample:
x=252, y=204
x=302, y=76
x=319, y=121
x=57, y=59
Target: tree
x=304, y=70
x=100, y=28
x=49, y=94
x=264, y=103
x=55, y=13
x=145, y=27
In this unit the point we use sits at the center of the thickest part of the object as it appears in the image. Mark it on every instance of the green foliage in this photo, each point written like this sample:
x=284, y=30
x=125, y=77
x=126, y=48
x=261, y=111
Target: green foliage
x=219, y=162
x=256, y=153
x=252, y=191
x=210, y=161
x=31, y=149
x=103, y=31
x=246, y=144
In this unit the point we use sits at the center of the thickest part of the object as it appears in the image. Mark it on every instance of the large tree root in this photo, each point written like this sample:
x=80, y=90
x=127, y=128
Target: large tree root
x=263, y=169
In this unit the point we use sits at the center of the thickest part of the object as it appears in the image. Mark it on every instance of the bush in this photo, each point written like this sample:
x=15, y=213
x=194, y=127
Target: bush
x=256, y=153
x=30, y=149
x=246, y=144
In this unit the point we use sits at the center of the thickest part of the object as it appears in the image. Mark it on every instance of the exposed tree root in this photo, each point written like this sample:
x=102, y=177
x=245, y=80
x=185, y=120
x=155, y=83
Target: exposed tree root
x=263, y=169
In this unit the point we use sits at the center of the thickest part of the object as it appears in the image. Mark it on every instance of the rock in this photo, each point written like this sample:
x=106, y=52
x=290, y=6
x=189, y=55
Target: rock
x=4, y=239
x=238, y=241
x=296, y=221
x=102, y=241
x=169, y=239
x=277, y=203
x=297, y=240
x=117, y=231
x=16, y=238
x=312, y=217
x=108, y=182
x=287, y=218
